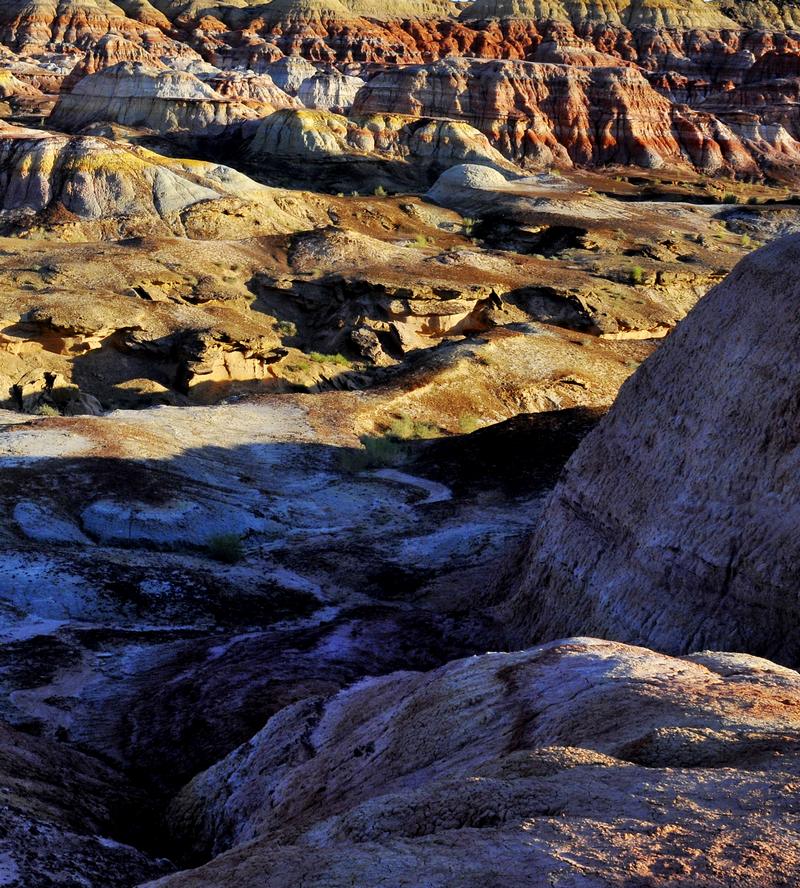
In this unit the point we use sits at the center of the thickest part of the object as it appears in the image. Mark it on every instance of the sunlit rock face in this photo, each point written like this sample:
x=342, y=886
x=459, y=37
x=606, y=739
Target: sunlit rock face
x=674, y=525
x=139, y=95
x=501, y=766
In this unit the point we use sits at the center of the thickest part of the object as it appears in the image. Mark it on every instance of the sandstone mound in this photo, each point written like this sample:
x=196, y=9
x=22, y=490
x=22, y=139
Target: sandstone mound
x=640, y=13
x=258, y=90
x=306, y=11
x=110, y=50
x=675, y=523
x=324, y=136
x=466, y=177
x=329, y=91
x=11, y=87
x=572, y=763
x=388, y=10
x=290, y=72
x=92, y=188
x=139, y=95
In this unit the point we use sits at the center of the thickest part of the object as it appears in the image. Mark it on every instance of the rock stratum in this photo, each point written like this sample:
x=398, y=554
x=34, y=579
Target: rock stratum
x=675, y=524
x=581, y=761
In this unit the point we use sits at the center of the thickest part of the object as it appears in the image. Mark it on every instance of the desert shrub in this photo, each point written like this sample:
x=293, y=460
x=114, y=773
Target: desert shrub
x=468, y=423
x=47, y=410
x=745, y=240
x=636, y=274
x=376, y=453
x=421, y=241
x=752, y=200
x=729, y=198
x=226, y=547
x=404, y=428
x=380, y=191
x=319, y=358
x=286, y=328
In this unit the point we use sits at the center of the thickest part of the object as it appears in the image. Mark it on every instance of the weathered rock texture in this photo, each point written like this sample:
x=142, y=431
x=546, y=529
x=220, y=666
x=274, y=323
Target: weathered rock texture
x=581, y=762
x=541, y=114
x=87, y=187
x=313, y=136
x=136, y=94
x=675, y=523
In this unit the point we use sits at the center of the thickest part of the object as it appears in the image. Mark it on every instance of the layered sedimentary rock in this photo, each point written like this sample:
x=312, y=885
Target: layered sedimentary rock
x=41, y=23
x=136, y=94
x=542, y=114
x=329, y=92
x=257, y=90
x=580, y=761
x=92, y=187
x=675, y=523
x=661, y=14
x=303, y=136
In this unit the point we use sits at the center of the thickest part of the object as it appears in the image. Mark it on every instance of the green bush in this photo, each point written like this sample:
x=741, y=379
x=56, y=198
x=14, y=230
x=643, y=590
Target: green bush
x=341, y=360
x=226, y=547
x=380, y=191
x=377, y=453
x=636, y=274
x=729, y=198
x=47, y=410
x=468, y=424
x=404, y=428
x=286, y=328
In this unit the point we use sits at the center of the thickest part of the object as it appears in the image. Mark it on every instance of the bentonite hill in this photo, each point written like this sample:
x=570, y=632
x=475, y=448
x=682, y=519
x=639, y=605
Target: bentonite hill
x=399, y=444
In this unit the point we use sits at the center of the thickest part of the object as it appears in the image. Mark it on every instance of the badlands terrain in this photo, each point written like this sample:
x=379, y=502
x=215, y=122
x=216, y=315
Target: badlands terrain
x=399, y=444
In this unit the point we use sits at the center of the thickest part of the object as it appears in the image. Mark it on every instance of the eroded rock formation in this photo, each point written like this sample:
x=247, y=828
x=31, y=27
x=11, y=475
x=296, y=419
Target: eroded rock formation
x=502, y=766
x=674, y=525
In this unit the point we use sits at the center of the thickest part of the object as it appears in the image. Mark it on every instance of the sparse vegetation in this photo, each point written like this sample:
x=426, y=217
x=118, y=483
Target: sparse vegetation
x=636, y=274
x=468, y=225
x=377, y=453
x=421, y=241
x=286, y=328
x=729, y=198
x=320, y=358
x=745, y=240
x=380, y=191
x=47, y=410
x=468, y=423
x=226, y=547
x=404, y=428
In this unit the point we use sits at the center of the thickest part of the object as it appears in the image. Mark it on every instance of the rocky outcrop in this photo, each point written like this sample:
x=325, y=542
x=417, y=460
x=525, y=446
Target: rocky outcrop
x=135, y=94
x=111, y=49
x=92, y=188
x=541, y=114
x=42, y=24
x=674, y=523
x=315, y=136
x=479, y=771
x=661, y=14
x=329, y=91
x=256, y=90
